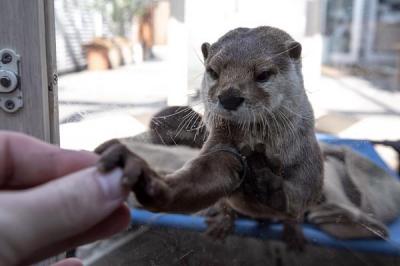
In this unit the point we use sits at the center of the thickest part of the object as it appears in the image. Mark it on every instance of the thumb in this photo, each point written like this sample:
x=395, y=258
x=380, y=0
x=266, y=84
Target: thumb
x=60, y=209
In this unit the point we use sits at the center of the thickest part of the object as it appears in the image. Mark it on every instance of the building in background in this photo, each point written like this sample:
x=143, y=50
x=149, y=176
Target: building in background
x=76, y=23
x=79, y=23
x=363, y=34
x=356, y=35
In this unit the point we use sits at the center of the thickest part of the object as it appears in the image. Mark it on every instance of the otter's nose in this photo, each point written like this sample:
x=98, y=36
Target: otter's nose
x=230, y=100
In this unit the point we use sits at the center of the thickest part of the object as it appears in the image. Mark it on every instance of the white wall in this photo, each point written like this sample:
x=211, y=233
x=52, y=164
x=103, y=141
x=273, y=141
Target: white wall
x=207, y=20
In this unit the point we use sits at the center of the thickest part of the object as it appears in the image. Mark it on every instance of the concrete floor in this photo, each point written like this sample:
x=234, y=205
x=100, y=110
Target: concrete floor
x=95, y=106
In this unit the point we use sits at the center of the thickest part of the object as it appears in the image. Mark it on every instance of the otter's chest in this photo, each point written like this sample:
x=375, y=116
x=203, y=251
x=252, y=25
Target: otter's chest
x=264, y=178
x=259, y=154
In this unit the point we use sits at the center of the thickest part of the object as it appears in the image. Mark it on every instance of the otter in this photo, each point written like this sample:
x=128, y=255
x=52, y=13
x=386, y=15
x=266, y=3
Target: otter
x=261, y=157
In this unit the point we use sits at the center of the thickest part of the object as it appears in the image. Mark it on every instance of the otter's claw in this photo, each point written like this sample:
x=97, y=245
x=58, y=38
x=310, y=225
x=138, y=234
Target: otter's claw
x=220, y=220
x=150, y=189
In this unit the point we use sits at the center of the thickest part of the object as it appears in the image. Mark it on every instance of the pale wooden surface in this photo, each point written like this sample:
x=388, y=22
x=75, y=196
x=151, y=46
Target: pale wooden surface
x=22, y=28
x=52, y=74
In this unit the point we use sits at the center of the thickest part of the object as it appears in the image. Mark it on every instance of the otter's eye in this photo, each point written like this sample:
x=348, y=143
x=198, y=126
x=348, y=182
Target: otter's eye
x=265, y=75
x=214, y=75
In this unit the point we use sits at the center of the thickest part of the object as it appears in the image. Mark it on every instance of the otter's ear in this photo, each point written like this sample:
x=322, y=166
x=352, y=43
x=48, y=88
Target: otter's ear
x=294, y=49
x=205, y=48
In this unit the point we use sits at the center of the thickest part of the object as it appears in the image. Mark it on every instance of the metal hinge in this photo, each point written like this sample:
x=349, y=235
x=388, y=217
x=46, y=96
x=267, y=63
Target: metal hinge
x=10, y=88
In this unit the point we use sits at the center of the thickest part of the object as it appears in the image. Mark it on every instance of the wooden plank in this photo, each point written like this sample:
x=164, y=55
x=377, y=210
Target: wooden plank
x=22, y=28
x=52, y=75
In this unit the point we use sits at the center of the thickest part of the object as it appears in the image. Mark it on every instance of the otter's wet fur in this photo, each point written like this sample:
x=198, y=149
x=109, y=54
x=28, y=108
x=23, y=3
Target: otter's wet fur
x=255, y=104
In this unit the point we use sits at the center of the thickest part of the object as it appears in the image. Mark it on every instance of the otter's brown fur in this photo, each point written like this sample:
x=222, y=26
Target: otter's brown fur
x=254, y=101
x=275, y=113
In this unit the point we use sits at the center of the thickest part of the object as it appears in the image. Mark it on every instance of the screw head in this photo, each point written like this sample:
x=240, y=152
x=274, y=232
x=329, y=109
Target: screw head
x=5, y=82
x=55, y=79
x=9, y=104
x=6, y=58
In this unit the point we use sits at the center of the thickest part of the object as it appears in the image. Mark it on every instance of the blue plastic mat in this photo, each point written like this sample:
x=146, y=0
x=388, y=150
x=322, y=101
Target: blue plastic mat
x=246, y=227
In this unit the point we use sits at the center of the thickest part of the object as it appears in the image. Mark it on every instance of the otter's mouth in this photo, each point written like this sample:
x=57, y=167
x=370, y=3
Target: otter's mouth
x=220, y=110
x=217, y=110
x=228, y=114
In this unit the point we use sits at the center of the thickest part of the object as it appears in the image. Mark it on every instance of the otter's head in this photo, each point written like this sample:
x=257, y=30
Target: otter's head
x=251, y=71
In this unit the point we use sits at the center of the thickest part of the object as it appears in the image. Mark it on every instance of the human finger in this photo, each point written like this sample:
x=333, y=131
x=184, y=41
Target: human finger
x=118, y=221
x=26, y=161
x=58, y=210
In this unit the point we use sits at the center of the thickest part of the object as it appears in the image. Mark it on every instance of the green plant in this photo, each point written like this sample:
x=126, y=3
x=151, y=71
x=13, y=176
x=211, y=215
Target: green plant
x=119, y=13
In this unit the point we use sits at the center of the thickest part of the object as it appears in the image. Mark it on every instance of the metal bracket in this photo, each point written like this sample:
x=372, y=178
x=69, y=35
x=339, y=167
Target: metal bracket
x=11, y=99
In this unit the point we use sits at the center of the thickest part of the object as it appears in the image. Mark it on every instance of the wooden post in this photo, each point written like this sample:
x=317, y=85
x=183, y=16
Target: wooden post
x=27, y=27
x=397, y=76
x=52, y=75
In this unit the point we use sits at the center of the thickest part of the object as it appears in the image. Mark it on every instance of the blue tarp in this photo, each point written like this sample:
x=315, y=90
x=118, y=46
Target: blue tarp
x=247, y=227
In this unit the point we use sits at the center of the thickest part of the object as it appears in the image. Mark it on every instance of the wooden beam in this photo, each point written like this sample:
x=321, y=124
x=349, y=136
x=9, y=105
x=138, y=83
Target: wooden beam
x=52, y=75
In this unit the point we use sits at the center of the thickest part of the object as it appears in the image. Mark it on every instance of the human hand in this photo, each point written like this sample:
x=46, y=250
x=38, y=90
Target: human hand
x=46, y=208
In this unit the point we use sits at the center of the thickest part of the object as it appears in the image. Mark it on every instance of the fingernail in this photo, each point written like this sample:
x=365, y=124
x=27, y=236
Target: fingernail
x=111, y=184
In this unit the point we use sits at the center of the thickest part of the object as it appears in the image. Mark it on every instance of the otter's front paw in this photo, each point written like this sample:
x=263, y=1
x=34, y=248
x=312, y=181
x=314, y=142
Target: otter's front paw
x=269, y=189
x=150, y=190
x=220, y=219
